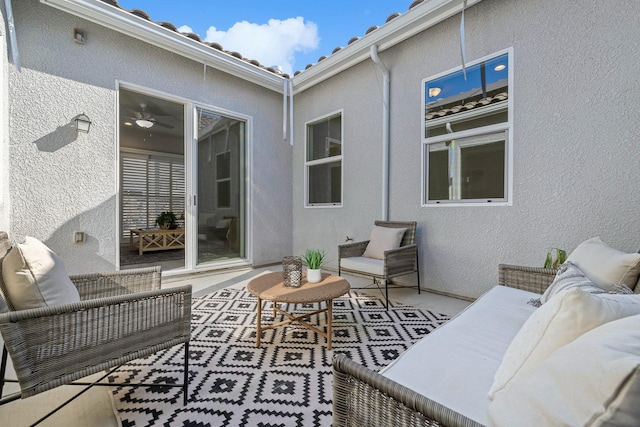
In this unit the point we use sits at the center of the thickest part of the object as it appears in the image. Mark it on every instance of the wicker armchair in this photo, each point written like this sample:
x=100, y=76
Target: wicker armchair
x=121, y=316
x=362, y=397
x=397, y=262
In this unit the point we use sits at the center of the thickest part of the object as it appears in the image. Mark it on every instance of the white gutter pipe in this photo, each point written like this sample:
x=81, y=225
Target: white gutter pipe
x=290, y=111
x=385, y=132
x=15, y=56
x=284, y=108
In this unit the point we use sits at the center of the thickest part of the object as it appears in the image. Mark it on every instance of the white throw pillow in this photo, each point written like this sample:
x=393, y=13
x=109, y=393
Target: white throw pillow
x=604, y=265
x=595, y=381
x=383, y=239
x=558, y=322
x=35, y=277
x=570, y=276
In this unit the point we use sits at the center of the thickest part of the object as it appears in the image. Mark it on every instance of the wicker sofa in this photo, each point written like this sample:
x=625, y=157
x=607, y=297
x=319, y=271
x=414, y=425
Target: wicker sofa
x=444, y=366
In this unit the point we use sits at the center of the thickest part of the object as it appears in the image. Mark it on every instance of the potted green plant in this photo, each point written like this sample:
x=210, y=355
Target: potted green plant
x=167, y=220
x=314, y=260
x=555, y=262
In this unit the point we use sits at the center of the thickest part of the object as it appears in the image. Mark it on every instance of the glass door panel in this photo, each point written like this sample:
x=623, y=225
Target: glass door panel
x=220, y=187
x=152, y=181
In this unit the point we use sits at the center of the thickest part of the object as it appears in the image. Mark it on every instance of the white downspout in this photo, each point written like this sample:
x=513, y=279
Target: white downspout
x=385, y=132
x=284, y=108
x=15, y=56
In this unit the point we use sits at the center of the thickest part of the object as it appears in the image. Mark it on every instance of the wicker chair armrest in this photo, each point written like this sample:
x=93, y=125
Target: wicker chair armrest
x=362, y=397
x=401, y=260
x=112, y=283
x=352, y=249
x=531, y=279
x=56, y=345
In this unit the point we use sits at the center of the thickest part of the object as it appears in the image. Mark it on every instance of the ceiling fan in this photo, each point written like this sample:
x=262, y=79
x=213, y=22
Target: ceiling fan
x=146, y=119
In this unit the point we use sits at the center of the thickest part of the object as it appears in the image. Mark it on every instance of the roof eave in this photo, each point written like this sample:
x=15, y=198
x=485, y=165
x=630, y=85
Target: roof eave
x=412, y=22
x=119, y=20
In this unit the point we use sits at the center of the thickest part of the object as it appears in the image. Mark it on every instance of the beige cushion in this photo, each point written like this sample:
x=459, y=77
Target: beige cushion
x=383, y=239
x=561, y=320
x=35, y=277
x=594, y=381
x=604, y=265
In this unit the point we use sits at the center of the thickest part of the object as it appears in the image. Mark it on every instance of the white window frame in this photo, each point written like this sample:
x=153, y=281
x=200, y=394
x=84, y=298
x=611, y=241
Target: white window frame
x=469, y=134
x=325, y=160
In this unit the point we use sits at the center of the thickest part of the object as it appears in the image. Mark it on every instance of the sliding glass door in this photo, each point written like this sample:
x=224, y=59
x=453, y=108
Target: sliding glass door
x=195, y=175
x=220, y=196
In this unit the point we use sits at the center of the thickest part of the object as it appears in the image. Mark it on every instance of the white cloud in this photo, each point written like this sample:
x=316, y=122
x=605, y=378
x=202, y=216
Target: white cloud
x=185, y=29
x=272, y=44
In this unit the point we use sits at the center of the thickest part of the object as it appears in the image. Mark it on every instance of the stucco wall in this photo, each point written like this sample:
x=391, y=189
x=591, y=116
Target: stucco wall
x=4, y=127
x=63, y=182
x=575, y=140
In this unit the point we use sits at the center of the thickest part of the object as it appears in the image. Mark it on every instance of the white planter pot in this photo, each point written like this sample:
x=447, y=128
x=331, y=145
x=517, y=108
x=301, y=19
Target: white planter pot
x=314, y=276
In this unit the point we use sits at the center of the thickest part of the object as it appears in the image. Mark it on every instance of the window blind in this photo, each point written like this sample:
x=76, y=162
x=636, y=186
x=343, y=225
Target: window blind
x=151, y=184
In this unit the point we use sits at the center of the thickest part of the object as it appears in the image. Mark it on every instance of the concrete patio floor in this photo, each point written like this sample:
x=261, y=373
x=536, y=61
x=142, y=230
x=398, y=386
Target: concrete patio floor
x=95, y=408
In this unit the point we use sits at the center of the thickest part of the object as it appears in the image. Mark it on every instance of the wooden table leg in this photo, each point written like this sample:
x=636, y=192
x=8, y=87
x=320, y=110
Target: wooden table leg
x=329, y=318
x=258, y=323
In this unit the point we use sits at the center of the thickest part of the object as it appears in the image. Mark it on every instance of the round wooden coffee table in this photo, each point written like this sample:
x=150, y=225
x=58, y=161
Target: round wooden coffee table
x=269, y=287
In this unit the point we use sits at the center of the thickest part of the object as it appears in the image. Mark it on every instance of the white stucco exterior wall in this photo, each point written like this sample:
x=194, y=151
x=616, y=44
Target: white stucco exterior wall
x=61, y=181
x=4, y=127
x=575, y=141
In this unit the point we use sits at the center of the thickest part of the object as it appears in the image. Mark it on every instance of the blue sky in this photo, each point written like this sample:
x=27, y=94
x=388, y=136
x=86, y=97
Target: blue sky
x=288, y=33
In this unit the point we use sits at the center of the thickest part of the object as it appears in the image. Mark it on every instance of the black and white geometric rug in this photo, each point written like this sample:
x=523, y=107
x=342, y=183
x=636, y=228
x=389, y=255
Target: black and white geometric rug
x=285, y=382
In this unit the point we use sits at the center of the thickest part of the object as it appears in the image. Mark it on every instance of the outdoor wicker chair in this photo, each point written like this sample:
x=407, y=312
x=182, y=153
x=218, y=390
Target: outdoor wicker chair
x=121, y=316
x=396, y=262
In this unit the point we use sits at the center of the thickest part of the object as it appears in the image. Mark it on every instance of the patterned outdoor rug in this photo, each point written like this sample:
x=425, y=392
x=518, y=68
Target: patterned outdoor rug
x=284, y=382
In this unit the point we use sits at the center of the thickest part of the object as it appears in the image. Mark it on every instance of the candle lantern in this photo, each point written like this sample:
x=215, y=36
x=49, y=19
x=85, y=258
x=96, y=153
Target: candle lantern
x=292, y=271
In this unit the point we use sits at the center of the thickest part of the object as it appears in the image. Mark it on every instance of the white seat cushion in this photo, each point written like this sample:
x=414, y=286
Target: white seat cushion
x=561, y=320
x=595, y=381
x=35, y=277
x=366, y=265
x=455, y=364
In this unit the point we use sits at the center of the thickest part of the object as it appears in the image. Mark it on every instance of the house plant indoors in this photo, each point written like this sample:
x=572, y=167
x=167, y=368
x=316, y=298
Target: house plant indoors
x=314, y=259
x=167, y=220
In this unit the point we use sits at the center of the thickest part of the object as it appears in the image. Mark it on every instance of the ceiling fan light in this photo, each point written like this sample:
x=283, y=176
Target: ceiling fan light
x=145, y=124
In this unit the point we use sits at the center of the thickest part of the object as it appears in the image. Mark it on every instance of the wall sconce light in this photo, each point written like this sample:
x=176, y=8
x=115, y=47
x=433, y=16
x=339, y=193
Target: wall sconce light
x=78, y=36
x=83, y=123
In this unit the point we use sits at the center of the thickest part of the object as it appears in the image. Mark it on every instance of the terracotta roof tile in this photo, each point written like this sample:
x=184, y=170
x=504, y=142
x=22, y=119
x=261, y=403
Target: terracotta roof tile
x=445, y=110
x=171, y=27
x=168, y=25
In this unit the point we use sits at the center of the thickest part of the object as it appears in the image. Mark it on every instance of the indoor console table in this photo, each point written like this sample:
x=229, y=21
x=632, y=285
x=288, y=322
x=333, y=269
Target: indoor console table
x=156, y=239
x=269, y=287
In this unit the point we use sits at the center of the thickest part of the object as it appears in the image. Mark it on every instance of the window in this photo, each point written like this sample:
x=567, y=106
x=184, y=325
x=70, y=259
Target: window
x=223, y=179
x=323, y=161
x=466, y=141
x=151, y=184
